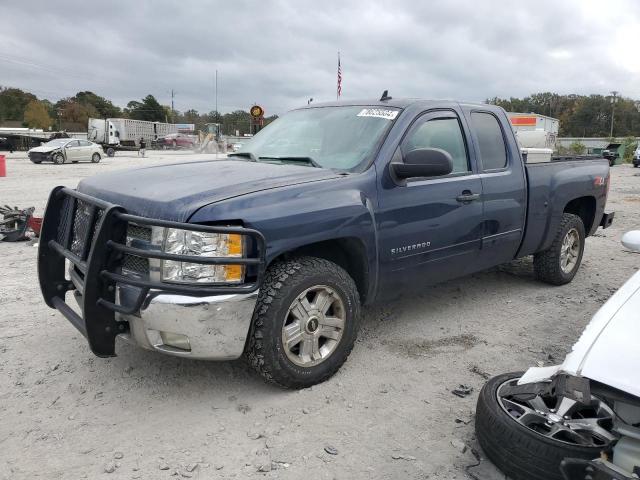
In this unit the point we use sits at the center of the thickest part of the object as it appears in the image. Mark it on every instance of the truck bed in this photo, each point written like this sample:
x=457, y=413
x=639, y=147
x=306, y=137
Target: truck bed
x=550, y=187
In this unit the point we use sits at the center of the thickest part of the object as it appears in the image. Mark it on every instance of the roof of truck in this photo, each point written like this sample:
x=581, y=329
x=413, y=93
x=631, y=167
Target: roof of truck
x=396, y=103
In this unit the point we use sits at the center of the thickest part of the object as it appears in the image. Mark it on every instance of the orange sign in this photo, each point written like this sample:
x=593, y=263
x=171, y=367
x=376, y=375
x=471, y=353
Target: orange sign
x=256, y=111
x=523, y=121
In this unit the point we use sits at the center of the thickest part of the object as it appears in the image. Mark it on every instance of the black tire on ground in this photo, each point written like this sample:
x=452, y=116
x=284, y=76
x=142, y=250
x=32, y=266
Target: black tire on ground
x=110, y=152
x=36, y=161
x=519, y=452
x=58, y=159
x=283, y=282
x=636, y=165
x=95, y=158
x=547, y=264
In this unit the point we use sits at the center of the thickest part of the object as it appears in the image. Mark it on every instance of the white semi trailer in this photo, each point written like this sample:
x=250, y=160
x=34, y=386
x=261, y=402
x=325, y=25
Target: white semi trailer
x=125, y=134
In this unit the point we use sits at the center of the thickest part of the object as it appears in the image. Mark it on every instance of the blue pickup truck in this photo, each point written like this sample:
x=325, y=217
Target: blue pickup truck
x=271, y=253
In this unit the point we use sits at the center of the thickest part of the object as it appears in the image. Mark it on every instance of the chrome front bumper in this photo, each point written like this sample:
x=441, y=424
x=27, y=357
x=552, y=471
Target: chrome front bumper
x=208, y=328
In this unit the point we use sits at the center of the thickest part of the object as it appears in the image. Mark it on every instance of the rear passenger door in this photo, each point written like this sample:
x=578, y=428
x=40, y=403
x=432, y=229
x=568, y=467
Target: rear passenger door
x=503, y=186
x=86, y=148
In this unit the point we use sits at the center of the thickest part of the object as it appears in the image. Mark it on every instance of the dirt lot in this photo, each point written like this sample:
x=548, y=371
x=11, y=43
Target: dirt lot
x=389, y=413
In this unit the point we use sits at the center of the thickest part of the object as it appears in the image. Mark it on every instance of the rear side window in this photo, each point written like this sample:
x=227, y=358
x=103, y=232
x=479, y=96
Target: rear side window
x=443, y=133
x=493, y=151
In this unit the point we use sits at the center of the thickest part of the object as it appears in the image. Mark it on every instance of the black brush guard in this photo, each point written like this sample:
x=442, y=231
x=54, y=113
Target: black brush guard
x=97, y=252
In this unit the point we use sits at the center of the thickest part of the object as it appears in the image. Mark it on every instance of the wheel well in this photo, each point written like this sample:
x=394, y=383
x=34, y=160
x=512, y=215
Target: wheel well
x=585, y=208
x=348, y=252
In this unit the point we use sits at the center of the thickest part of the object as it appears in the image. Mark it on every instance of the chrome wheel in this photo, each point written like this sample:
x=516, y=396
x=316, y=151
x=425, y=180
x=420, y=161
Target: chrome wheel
x=570, y=251
x=313, y=326
x=561, y=418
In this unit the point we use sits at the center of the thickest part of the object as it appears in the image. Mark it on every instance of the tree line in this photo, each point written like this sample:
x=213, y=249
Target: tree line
x=73, y=113
x=580, y=115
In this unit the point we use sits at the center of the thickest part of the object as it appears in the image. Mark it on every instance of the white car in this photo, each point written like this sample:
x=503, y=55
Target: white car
x=65, y=150
x=580, y=419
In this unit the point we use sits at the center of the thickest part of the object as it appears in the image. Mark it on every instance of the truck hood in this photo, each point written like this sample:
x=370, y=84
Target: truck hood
x=44, y=149
x=175, y=192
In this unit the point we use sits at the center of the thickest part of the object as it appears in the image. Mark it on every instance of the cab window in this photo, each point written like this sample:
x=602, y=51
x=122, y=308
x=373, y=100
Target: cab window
x=443, y=133
x=493, y=151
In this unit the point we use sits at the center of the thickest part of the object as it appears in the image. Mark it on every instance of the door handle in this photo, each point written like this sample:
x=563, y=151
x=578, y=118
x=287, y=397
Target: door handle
x=467, y=197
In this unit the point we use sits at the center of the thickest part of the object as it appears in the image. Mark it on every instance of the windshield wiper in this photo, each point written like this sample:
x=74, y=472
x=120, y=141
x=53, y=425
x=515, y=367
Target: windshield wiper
x=248, y=155
x=307, y=160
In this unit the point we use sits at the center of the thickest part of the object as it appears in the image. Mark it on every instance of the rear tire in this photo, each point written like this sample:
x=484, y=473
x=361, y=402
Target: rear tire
x=549, y=266
x=95, y=158
x=110, y=152
x=286, y=285
x=521, y=453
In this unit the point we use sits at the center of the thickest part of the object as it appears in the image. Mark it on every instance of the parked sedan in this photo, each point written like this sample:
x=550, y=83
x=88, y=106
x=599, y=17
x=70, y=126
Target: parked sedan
x=65, y=150
x=177, y=140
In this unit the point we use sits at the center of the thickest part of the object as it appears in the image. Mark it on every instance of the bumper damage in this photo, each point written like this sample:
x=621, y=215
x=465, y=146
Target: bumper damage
x=205, y=328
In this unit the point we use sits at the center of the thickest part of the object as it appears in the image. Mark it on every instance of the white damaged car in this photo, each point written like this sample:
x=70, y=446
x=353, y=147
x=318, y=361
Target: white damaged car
x=65, y=150
x=580, y=419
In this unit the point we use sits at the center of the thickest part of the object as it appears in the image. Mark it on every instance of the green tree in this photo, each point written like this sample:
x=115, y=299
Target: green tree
x=148, y=109
x=36, y=115
x=13, y=103
x=577, y=148
x=104, y=107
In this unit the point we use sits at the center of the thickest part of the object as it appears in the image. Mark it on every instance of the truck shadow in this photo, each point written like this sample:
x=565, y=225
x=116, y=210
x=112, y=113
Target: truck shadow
x=143, y=368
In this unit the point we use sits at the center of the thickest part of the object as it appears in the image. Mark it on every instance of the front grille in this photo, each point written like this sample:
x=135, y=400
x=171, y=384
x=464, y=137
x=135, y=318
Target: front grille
x=139, y=237
x=82, y=224
x=81, y=227
x=38, y=156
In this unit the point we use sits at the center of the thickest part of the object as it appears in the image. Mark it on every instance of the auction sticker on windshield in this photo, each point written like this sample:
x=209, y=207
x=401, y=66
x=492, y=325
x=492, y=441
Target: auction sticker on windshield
x=379, y=113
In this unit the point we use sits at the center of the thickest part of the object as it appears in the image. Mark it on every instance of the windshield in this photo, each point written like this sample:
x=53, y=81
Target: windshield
x=58, y=142
x=341, y=138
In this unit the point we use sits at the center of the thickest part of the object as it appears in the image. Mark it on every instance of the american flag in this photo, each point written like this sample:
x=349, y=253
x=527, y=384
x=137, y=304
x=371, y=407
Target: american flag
x=339, y=91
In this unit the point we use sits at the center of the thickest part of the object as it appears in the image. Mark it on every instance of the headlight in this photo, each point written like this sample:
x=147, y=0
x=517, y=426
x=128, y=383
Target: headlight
x=201, y=244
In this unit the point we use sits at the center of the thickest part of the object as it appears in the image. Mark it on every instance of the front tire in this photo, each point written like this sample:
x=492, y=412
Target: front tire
x=95, y=158
x=560, y=262
x=58, y=159
x=527, y=436
x=305, y=322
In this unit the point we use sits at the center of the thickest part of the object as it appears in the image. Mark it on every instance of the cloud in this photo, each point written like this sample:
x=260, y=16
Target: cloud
x=280, y=53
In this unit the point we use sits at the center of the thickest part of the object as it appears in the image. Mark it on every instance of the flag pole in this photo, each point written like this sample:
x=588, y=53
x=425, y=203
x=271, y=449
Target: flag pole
x=338, y=86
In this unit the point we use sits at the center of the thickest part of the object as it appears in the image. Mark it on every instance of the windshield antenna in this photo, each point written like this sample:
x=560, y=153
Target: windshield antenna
x=385, y=96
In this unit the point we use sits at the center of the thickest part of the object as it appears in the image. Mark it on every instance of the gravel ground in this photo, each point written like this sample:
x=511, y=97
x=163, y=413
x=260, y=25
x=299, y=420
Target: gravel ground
x=389, y=412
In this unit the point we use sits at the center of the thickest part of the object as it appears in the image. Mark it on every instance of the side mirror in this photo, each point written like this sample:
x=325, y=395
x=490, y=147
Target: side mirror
x=631, y=240
x=423, y=162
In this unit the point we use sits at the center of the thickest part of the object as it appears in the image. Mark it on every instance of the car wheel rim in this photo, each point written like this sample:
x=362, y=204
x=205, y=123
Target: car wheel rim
x=313, y=326
x=560, y=418
x=570, y=251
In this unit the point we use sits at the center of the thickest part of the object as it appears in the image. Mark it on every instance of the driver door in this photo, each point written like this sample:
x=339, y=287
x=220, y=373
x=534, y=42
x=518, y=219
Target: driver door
x=430, y=229
x=73, y=151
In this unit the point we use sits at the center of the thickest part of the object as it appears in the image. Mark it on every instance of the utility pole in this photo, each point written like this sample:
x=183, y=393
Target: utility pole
x=172, y=95
x=614, y=100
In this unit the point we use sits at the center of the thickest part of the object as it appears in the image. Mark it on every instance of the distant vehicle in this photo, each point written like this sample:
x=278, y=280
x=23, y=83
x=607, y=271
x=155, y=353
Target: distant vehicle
x=177, y=140
x=636, y=158
x=125, y=134
x=65, y=150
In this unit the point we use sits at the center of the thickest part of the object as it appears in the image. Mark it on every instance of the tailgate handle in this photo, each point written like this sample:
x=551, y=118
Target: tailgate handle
x=467, y=196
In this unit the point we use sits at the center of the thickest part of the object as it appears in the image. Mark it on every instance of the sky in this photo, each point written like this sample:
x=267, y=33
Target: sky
x=281, y=53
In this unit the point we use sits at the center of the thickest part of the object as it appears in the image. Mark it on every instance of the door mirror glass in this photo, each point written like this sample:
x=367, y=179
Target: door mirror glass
x=631, y=240
x=423, y=162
